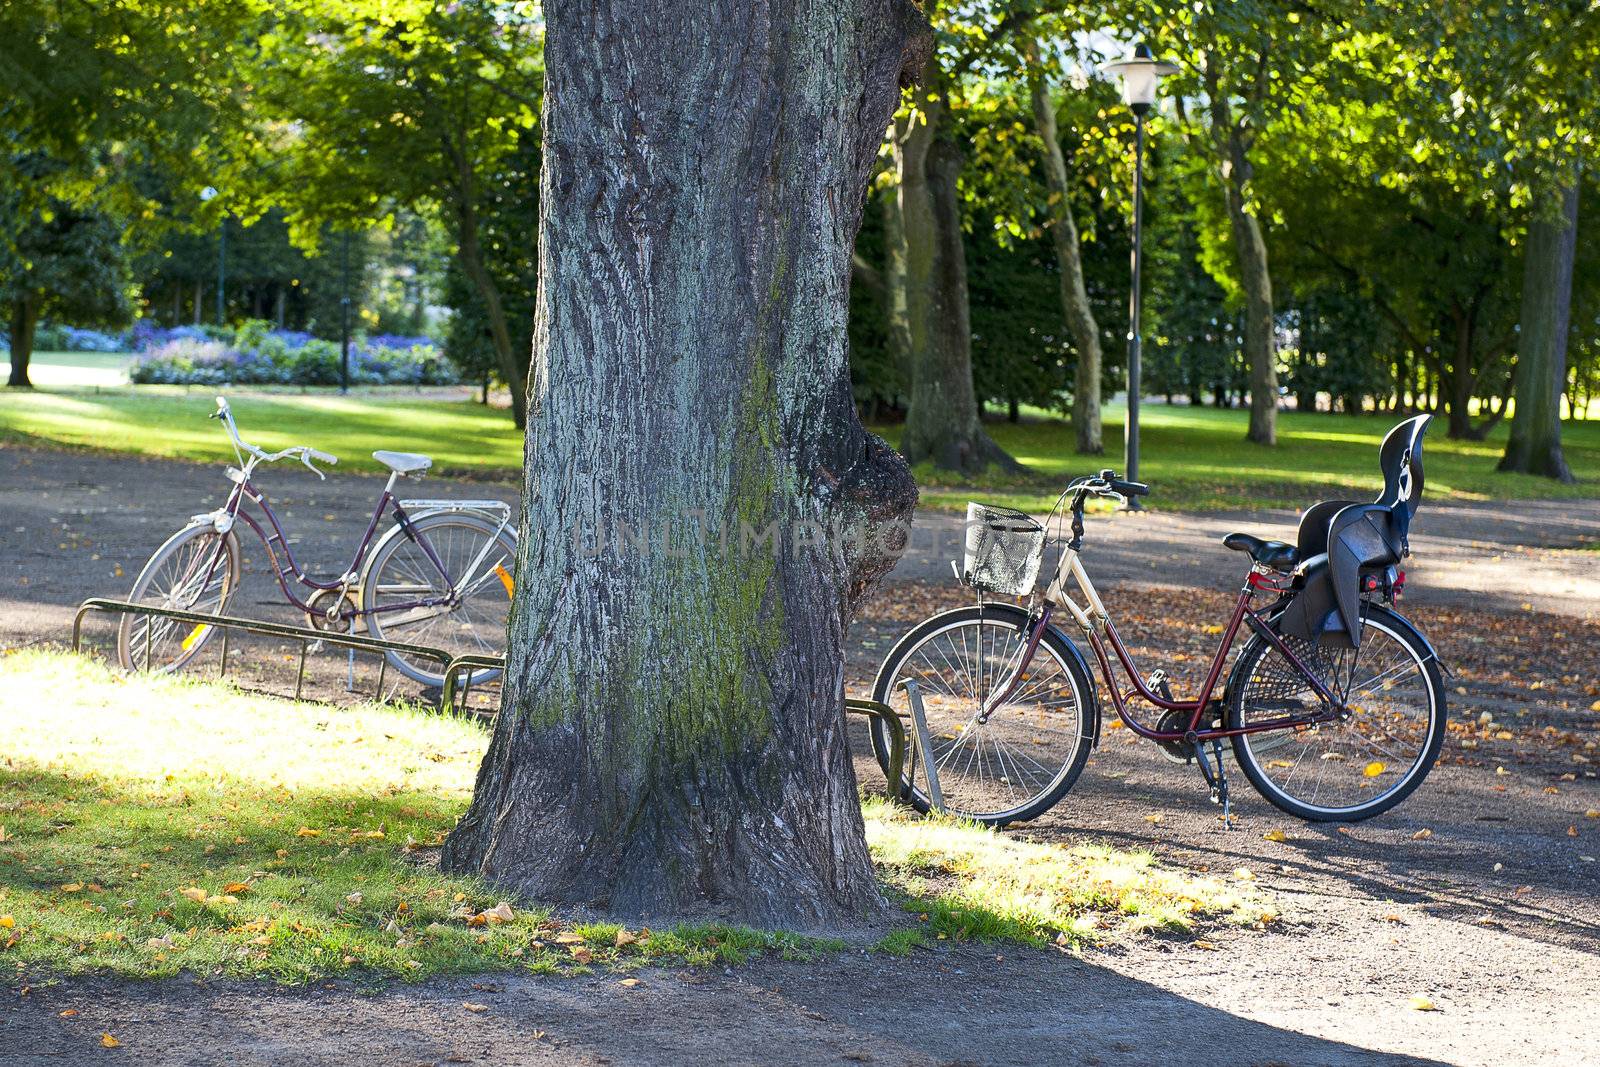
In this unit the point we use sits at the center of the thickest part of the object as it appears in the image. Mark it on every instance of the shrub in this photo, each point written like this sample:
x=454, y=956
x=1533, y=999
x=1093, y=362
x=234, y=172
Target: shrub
x=256, y=354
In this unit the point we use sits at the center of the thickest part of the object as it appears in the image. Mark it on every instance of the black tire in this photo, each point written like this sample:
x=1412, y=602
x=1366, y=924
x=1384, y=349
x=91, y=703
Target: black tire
x=1402, y=698
x=1059, y=731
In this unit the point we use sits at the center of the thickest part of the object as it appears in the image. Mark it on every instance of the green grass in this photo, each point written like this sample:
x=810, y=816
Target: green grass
x=460, y=436
x=152, y=826
x=1197, y=458
x=1194, y=458
x=969, y=883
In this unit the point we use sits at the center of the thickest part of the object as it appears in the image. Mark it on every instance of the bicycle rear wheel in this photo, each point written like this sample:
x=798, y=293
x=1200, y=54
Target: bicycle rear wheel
x=1018, y=760
x=186, y=573
x=1352, y=769
x=478, y=556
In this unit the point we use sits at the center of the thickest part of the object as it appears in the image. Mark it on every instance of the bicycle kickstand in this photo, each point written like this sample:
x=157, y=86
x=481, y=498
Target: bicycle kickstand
x=1218, y=780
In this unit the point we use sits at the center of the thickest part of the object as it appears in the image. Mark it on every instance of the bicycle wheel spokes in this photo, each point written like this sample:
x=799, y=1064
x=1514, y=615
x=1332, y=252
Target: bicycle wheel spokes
x=1340, y=767
x=193, y=575
x=469, y=610
x=997, y=764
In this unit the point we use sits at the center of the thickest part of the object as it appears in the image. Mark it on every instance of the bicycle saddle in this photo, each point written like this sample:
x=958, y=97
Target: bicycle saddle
x=1279, y=555
x=403, y=462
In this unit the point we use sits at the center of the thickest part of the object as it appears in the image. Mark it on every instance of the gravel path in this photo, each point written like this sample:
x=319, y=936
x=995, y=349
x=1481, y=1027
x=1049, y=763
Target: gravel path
x=1492, y=916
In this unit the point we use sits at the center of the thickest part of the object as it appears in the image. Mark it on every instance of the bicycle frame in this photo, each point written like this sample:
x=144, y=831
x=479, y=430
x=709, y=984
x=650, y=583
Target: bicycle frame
x=244, y=490
x=1106, y=642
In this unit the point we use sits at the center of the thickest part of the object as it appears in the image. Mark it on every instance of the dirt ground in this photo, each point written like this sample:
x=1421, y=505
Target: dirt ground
x=1494, y=915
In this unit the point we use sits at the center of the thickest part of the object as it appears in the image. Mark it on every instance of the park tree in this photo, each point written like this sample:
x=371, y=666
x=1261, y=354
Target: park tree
x=1242, y=63
x=1079, y=314
x=927, y=256
x=702, y=506
x=412, y=105
x=63, y=261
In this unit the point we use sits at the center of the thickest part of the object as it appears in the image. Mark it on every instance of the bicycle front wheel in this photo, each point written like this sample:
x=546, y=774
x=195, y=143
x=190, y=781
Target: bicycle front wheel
x=196, y=570
x=1014, y=762
x=462, y=564
x=1360, y=766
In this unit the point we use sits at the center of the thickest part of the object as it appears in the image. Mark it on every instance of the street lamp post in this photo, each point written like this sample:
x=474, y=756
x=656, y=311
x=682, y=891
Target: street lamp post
x=1141, y=73
x=344, y=320
x=207, y=195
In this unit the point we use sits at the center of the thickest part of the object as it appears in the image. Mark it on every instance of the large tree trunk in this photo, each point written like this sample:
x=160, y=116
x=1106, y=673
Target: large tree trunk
x=1074, y=296
x=943, y=424
x=703, y=508
x=1541, y=374
x=1250, y=251
x=24, y=319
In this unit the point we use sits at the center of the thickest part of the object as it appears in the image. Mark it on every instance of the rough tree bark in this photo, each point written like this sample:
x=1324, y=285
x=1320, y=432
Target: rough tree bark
x=24, y=320
x=672, y=738
x=1074, y=296
x=1541, y=374
x=943, y=423
x=1250, y=249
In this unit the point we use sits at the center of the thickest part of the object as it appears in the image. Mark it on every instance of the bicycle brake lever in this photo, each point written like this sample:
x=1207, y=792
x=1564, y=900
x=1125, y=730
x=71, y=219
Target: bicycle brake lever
x=306, y=459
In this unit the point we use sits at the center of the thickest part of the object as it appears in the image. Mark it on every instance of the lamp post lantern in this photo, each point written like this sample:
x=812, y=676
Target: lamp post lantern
x=1141, y=73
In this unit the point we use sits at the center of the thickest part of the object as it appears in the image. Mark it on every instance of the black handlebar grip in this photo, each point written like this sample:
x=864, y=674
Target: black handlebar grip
x=1130, y=488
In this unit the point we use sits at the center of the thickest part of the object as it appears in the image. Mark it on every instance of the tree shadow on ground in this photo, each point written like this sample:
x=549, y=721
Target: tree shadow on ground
x=948, y=1007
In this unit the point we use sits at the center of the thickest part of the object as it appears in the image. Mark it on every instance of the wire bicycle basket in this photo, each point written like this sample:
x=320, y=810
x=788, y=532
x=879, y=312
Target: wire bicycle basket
x=1004, y=548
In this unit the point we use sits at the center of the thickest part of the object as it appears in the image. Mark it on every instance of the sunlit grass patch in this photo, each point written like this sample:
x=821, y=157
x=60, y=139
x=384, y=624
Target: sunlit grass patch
x=967, y=882
x=153, y=826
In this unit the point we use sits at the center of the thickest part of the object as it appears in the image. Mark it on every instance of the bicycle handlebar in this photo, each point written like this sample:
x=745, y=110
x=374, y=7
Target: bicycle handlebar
x=305, y=453
x=1106, y=483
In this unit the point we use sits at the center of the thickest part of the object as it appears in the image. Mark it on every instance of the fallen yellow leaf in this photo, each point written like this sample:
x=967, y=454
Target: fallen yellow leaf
x=501, y=913
x=1592, y=813
x=194, y=893
x=1275, y=835
x=7, y=922
x=1422, y=834
x=630, y=982
x=1244, y=874
x=1153, y=818
x=72, y=887
x=109, y=1042
x=306, y=831
x=474, y=1007
x=1422, y=1003
x=582, y=954
x=69, y=1013
x=236, y=887
x=1373, y=769
x=1207, y=946
x=626, y=938
x=567, y=937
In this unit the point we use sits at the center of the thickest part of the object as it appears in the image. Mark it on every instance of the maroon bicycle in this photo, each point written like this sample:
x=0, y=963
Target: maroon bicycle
x=1334, y=709
x=441, y=576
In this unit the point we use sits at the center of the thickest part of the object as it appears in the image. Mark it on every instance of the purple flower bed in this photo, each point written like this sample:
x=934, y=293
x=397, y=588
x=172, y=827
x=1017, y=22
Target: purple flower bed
x=255, y=354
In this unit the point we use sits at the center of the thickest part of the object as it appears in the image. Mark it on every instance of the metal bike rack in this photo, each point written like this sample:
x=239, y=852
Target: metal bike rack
x=919, y=726
x=455, y=694
x=471, y=663
x=228, y=623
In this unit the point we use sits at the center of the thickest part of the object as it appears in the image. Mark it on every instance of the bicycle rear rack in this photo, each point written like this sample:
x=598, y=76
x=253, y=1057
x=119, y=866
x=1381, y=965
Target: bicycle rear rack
x=454, y=695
